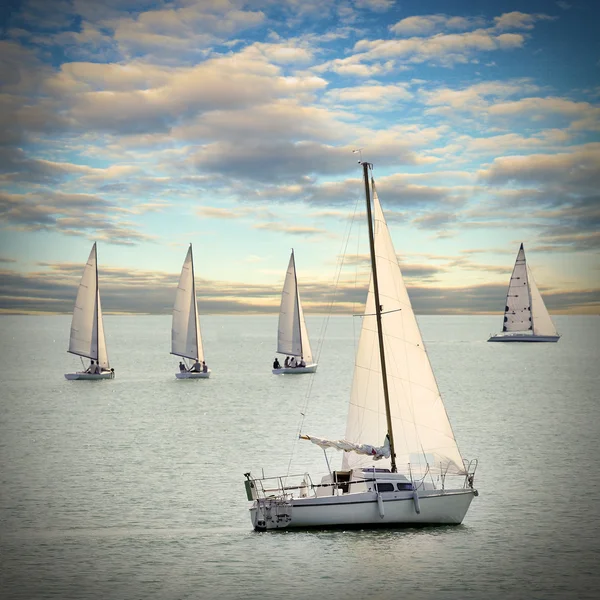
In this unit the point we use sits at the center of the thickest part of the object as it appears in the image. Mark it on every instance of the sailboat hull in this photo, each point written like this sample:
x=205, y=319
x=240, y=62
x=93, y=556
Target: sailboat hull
x=433, y=507
x=90, y=376
x=295, y=370
x=188, y=375
x=521, y=337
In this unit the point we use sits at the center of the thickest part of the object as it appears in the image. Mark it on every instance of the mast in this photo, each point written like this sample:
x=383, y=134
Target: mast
x=195, y=304
x=297, y=305
x=386, y=395
x=97, y=311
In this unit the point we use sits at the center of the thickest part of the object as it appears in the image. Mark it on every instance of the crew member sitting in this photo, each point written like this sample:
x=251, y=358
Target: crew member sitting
x=276, y=364
x=196, y=367
x=204, y=367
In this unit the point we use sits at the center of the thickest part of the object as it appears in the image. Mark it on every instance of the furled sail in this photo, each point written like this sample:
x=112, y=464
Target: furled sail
x=542, y=323
x=376, y=453
x=87, y=331
x=517, y=311
x=423, y=436
x=292, y=336
x=186, y=340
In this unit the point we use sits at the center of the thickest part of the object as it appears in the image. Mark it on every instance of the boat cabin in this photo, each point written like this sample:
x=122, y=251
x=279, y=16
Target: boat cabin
x=363, y=480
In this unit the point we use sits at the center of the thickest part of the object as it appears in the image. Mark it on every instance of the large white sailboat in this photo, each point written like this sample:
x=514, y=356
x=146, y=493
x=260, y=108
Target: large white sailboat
x=87, y=330
x=417, y=476
x=292, y=336
x=526, y=317
x=186, y=339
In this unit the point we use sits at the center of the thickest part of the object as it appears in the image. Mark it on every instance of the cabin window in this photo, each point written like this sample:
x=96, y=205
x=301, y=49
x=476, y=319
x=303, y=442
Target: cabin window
x=384, y=487
x=405, y=487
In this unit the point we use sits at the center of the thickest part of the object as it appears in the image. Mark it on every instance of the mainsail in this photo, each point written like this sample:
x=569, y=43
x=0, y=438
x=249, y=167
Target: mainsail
x=87, y=330
x=186, y=340
x=542, y=323
x=517, y=311
x=422, y=433
x=292, y=336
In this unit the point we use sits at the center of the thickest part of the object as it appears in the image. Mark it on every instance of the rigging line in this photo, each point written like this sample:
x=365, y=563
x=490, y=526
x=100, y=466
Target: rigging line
x=324, y=326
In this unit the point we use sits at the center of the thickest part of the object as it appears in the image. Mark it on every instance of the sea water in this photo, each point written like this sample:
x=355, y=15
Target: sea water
x=133, y=488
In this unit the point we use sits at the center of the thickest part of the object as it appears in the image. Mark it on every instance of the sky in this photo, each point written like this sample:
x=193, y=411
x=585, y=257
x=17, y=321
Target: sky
x=146, y=125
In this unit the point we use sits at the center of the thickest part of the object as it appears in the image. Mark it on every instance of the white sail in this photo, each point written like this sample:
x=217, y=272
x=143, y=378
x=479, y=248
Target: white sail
x=422, y=433
x=87, y=330
x=186, y=340
x=542, y=323
x=292, y=336
x=102, y=353
x=517, y=311
x=306, y=351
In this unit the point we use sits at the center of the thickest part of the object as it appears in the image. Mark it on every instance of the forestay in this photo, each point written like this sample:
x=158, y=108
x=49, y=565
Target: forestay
x=186, y=340
x=422, y=433
x=292, y=336
x=517, y=311
x=87, y=330
x=542, y=323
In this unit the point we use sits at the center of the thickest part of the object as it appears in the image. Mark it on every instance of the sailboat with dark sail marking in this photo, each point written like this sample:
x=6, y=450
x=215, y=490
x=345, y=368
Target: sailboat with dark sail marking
x=526, y=317
x=87, y=329
x=417, y=476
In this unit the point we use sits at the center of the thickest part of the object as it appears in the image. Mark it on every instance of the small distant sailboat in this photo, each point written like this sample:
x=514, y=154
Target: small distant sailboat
x=186, y=339
x=526, y=317
x=87, y=330
x=417, y=476
x=292, y=336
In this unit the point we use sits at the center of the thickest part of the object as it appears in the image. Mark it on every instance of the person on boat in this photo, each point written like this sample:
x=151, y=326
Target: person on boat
x=197, y=367
x=181, y=366
x=292, y=362
x=97, y=370
x=204, y=367
x=286, y=362
x=276, y=364
x=302, y=363
x=91, y=368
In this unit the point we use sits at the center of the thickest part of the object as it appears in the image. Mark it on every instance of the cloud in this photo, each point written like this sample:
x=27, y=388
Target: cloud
x=366, y=96
x=72, y=214
x=577, y=170
x=171, y=32
x=443, y=49
x=428, y=24
x=584, y=116
x=519, y=20
x=296, y=230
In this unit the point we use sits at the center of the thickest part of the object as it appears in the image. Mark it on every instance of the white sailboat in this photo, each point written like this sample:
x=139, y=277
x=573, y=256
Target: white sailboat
x=292, y=336
x=526, y=317
x=186, y=339
x=87, y=330
x=418, y=476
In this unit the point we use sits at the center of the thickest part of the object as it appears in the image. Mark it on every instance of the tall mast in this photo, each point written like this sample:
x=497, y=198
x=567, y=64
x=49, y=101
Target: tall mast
x=195, y=304
x=386, y=395
x=97, y=306
x=297, y=304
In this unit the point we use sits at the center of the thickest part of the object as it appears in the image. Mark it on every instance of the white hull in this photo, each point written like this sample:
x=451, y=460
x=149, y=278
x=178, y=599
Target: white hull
x=295, y=370
x=90, y=376
x=521, y=337
x=434, y=507
x=188, y=375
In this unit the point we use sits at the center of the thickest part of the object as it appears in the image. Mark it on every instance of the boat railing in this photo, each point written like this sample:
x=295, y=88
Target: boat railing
x=470, y=468
x=287, y=487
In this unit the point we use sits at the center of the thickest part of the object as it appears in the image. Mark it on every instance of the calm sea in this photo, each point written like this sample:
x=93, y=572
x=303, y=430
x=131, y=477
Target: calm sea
x=133, y=488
